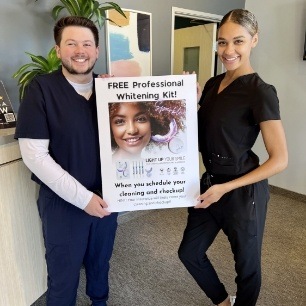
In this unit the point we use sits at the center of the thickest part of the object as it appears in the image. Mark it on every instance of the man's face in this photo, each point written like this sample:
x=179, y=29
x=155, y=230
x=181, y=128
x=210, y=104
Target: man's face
x=77, y=51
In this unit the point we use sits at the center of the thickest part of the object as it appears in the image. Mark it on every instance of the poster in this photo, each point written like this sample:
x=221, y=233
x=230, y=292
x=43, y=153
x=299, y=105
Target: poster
x=148, y=141
x=129, y=43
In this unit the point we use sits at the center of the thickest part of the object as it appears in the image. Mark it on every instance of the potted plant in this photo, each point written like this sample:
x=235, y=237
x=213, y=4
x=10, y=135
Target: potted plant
x=90, y=9
x=39, y=65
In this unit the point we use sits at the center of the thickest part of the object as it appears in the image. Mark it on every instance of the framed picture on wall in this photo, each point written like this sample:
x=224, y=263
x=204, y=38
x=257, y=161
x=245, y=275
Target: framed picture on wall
x=129, y=43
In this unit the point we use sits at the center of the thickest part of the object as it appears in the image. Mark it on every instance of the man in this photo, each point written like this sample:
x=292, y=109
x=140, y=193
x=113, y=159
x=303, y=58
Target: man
x=57, y=131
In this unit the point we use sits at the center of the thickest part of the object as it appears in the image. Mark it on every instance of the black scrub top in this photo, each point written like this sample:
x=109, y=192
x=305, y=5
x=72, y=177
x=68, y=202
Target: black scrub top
x=228, y=122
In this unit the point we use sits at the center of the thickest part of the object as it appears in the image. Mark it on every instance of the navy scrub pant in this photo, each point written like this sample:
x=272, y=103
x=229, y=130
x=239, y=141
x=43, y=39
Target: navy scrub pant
x=72, y=239
x=241, y=215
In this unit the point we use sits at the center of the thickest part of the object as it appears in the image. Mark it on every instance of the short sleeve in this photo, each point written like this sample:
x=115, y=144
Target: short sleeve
x=32, y=118
x=208, y=85
x=266, y=104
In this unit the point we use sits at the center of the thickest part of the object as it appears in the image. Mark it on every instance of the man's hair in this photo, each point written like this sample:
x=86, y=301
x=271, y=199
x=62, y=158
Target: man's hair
x=74, y=21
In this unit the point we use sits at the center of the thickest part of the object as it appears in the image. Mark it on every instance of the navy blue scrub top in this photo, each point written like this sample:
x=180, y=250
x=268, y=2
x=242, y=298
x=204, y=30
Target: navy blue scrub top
x=53, y=110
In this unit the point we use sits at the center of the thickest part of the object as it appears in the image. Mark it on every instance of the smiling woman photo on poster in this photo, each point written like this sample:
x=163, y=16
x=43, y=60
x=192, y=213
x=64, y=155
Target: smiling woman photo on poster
x=137, y=127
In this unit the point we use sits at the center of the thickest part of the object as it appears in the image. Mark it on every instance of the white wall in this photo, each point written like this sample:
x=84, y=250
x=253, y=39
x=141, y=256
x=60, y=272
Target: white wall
x=278, y=60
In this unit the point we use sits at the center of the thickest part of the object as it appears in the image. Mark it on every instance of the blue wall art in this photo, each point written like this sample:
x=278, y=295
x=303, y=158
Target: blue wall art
x=129, y=43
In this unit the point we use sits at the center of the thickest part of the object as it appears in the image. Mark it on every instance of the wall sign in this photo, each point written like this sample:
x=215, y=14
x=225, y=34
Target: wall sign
x=7, y=116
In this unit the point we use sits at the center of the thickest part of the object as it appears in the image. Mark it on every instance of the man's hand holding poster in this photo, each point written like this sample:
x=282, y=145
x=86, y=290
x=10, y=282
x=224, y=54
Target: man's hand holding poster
x=148, y=141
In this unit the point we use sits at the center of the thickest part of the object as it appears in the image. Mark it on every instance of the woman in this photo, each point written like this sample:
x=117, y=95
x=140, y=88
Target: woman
x=131, y=129
x=234, y=108
x=134, y=125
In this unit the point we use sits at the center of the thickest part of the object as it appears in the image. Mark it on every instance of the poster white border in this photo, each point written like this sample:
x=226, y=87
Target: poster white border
x=174, y=178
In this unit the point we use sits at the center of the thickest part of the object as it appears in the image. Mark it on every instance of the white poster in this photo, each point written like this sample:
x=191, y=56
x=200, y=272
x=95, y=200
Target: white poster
x=148, y=141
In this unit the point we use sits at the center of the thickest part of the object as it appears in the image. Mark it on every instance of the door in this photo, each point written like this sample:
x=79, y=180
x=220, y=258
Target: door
x=194, y=50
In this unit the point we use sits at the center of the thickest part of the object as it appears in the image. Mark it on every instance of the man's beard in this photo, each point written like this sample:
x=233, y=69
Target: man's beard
x=71, y=70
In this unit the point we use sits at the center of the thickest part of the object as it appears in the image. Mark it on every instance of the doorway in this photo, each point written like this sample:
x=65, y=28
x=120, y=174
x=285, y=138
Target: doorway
x=193, y=46
x=193, y=43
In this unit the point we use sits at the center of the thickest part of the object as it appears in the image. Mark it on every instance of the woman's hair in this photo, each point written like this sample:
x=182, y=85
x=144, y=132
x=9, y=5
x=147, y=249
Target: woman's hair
x=244, y=18
x=160, y=113
x=163, y=112
x=74, y=21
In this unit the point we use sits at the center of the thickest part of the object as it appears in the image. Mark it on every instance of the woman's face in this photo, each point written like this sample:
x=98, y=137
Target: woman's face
x=234, y=46
x=131, y=128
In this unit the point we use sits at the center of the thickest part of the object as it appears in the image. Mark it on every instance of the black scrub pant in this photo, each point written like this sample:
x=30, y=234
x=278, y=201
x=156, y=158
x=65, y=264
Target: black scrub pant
x=72, y=239
x=241, y=215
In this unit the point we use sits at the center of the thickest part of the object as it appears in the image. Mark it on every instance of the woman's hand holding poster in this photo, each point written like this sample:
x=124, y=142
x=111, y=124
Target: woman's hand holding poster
x=148, y=141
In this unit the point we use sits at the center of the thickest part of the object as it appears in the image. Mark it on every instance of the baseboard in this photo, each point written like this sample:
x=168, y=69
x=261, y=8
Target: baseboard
x=290, y=194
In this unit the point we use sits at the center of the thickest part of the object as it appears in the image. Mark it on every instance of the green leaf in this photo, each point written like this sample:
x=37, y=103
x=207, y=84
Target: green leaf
x=102, y=12
x=116, y=7
x=23, y=68
x=53, y=61
x=28, y=76
x=52, y=54
x=26, y=81
x=86, y=8
x=100, y=19
x=56, y=10
x=86, y=11
x=40, y=60
x=71, y=6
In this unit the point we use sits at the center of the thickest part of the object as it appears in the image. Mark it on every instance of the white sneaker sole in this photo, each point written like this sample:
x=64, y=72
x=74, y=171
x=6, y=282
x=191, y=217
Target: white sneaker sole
x=232, y=300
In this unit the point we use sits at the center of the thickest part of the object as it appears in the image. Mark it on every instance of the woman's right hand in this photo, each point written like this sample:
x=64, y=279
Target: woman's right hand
x=199, y=89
